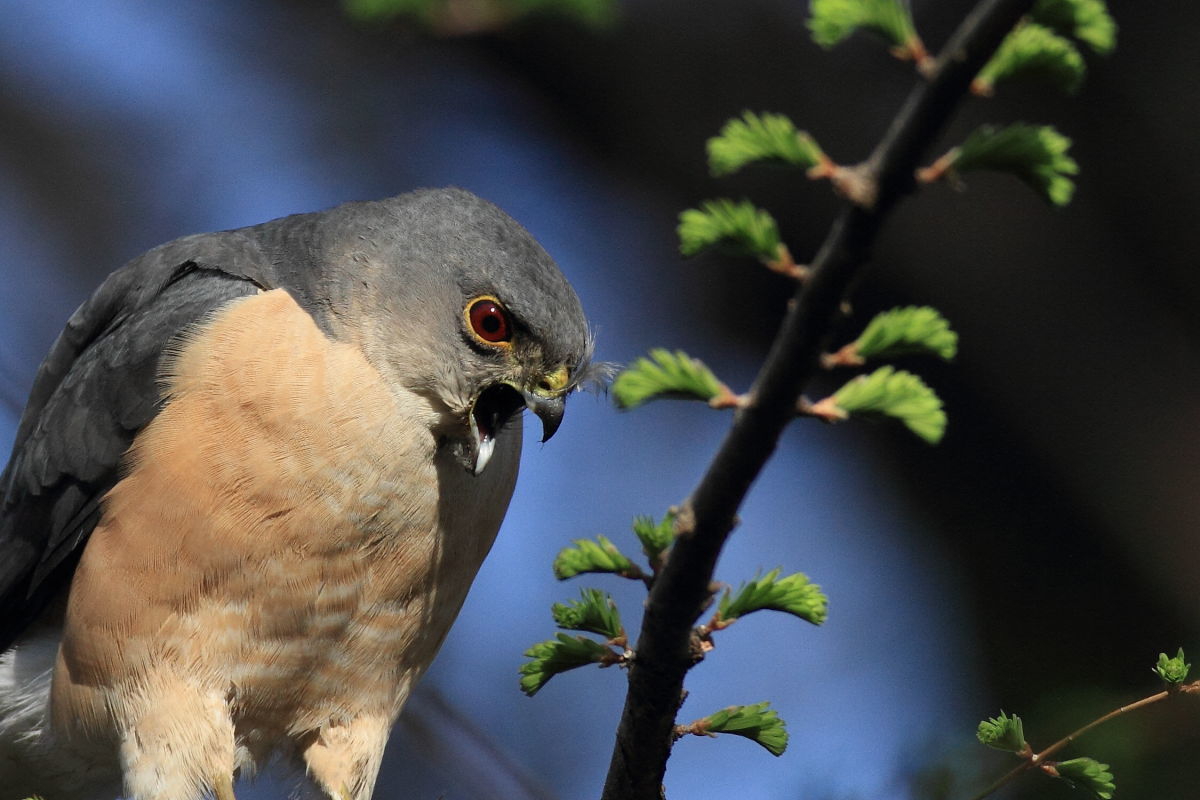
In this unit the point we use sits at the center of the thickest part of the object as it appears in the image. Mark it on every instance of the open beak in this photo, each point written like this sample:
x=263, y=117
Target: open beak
x=492, y=409
x=496, y=405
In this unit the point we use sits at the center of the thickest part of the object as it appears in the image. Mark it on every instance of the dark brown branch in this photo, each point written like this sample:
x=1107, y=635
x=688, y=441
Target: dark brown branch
x=706, y=519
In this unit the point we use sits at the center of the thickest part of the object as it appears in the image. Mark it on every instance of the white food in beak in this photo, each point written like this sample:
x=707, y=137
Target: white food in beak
x=485, y=444
x=484, y=453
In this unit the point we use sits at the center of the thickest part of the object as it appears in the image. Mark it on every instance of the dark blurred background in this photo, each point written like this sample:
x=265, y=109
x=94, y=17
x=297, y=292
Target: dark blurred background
x=1037, y=561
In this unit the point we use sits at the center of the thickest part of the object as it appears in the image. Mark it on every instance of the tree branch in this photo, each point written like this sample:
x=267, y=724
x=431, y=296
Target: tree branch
x=706, y=519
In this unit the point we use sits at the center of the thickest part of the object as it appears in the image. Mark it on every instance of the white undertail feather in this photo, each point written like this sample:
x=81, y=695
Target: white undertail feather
x=30, y=762
x=34, y=765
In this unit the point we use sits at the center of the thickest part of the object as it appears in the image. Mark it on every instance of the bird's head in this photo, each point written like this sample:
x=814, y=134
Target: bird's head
x=453, y=300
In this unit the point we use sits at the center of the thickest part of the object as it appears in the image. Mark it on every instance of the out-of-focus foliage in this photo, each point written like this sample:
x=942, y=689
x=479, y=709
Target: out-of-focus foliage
x=1003, y=733
x=906, y=331
x=664, y=374
x=831, y=21
x=1034, y=50
x=739, y=228
x=1089, y=774
x=1035, y=154
x=761, y=137
x=1173, y=670
x=894, y=393
x=451, y=17
x=1086, y=20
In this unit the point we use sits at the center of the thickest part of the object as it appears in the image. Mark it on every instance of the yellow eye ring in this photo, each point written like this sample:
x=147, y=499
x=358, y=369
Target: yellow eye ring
x=488, y=321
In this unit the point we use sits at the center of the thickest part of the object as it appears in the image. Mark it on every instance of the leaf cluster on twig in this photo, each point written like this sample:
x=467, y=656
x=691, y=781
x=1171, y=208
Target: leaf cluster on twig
x=998, y=41
x=1008, y=733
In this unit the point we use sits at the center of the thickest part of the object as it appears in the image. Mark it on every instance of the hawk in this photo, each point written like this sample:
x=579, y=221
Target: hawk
x=254, y=480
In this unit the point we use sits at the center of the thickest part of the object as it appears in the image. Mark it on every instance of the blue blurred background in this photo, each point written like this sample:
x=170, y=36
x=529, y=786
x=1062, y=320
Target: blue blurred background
x=1039, y=559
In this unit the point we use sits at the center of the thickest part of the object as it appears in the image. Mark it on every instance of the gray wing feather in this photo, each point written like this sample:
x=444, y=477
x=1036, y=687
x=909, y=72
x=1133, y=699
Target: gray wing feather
x=96, y=389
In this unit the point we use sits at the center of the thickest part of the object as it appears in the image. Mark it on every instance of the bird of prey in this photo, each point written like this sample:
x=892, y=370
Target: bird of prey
x=254, y=480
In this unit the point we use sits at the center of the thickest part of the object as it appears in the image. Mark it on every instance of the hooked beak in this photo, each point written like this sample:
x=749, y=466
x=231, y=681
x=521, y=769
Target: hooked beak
x=496, y=405
x=548, y=399
x=549, y=411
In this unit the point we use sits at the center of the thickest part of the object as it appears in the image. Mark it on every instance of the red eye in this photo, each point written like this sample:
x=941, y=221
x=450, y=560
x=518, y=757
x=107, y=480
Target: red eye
x=489, y=320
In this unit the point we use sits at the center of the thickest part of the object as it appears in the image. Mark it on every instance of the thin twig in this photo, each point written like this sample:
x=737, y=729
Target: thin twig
x=697, y=728
x=1070, y=737
x=1038, y=759
x=785, y=265
x=845, y=356
x=826, y=410
x=939, y=169
x=727, y=398
x=683, y=588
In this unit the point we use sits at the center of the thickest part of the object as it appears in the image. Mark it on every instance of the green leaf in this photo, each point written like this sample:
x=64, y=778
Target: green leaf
x=831, y=21
x=600, y=555
x=737, y=228
x=1035, y=154
x=766, y=137
x=1003, y=733
x=594, y=613
x=560, y=654
x=1087, y=773
x=1033, y=50
x=906, y=331
x=1086, y=20
x=655, y=537
x=664, y=374
x=794, y=594
x=757, y=723
x=1173, y=670
x=898, y=394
